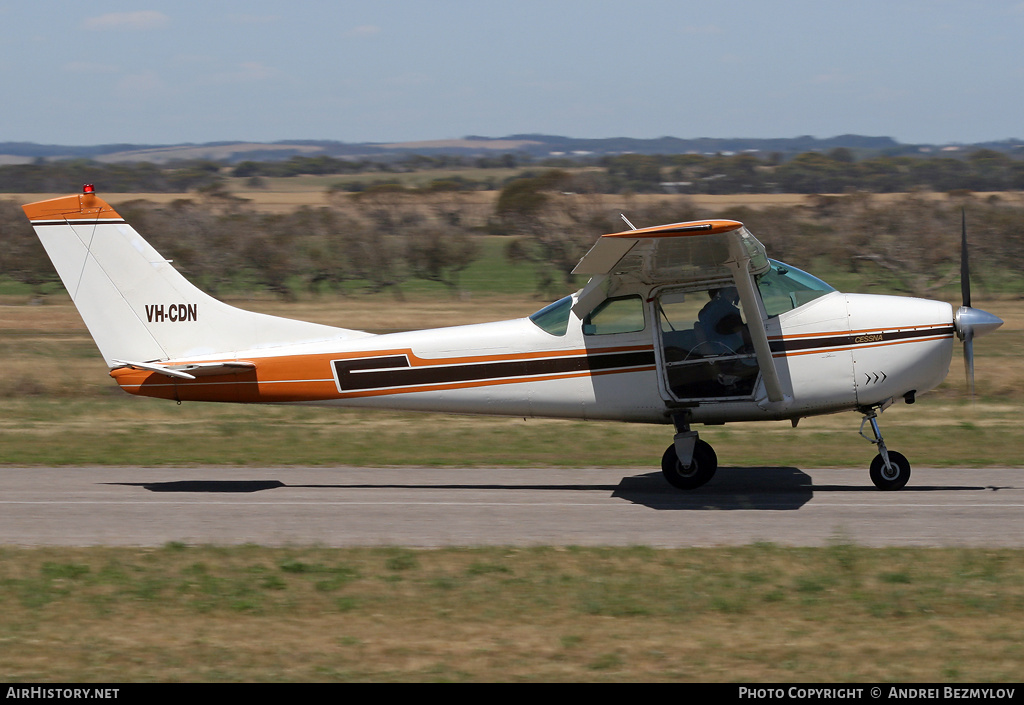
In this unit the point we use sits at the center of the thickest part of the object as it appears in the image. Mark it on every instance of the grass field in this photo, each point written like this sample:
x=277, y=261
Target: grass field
x=759, y=613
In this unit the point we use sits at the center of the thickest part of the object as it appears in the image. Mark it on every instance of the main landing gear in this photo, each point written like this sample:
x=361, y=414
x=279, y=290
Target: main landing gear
x=689, y=462
x=889, y=470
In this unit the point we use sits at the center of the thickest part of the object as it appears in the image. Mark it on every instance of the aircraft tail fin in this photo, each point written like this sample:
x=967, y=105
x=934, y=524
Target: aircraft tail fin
x=135, y=304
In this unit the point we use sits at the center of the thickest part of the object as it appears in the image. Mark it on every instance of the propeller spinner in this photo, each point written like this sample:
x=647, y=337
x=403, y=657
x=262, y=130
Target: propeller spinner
x=970, y=323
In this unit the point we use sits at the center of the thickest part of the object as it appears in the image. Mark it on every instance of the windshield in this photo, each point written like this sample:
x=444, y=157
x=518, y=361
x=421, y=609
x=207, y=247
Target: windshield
x=783, y=288
x=554, y=318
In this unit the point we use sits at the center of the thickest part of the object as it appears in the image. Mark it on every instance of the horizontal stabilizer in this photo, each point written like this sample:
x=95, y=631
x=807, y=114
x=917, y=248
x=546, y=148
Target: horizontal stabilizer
x=191, y=371
x=204, y=369
x=153, y=367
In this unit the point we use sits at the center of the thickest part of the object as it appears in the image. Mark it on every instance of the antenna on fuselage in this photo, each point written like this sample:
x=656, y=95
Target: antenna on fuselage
x=631, y=226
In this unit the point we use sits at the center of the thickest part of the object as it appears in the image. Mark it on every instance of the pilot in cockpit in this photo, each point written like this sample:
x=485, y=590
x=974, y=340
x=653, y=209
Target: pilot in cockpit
x=719, y=322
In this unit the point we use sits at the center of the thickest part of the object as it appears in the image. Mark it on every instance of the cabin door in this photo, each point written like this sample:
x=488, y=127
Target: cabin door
x=705, y=349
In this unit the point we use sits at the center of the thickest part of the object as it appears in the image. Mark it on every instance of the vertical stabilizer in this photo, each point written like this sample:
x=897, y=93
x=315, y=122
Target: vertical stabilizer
x=135, y=304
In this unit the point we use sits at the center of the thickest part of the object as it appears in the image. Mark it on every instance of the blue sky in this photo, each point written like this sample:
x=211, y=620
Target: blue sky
x=397, y=70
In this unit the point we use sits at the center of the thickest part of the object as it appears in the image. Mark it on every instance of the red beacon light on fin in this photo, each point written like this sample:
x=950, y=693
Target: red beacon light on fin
x=88, y=188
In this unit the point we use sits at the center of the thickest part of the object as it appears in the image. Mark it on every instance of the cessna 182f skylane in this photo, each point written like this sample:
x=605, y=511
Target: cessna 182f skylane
x=688, y=323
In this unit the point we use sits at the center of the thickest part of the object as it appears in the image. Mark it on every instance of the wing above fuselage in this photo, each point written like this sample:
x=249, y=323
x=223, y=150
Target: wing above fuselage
x=673, y=254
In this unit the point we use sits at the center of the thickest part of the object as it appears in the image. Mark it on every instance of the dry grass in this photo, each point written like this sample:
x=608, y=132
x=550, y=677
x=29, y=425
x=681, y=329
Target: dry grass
x=758, y=613
x=386, y=314
x=284, y=195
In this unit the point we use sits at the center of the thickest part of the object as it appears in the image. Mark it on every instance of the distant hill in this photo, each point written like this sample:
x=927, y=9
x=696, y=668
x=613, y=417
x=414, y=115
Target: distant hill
x=536, y=146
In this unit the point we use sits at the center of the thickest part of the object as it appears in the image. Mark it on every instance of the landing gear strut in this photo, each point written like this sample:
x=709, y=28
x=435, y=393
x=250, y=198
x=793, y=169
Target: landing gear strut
x=689, y=462
x=889, y=470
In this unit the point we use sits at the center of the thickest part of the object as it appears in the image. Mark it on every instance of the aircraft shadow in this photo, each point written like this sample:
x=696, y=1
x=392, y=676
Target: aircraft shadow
x=762, y=488
x=731, y=488
x=766, y=488
x=234, y=486
x=242, y=486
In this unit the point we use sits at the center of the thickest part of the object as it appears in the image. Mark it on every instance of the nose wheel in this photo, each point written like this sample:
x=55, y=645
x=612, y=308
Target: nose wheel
x=889, y=470
x=892, y=476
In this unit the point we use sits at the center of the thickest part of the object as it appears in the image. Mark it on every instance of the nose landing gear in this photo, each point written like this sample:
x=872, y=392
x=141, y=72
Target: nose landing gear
x=889, y=470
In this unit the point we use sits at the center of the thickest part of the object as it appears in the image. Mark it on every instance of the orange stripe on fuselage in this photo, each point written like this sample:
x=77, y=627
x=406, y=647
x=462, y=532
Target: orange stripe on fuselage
x=939, y=331
x=862, y=331
x=311, y=377
x=816, y=351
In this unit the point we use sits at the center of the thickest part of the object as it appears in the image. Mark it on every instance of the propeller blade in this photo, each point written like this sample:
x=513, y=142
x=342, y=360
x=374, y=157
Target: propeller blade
x=969, y=366
x=970, y=323
x=965, y=269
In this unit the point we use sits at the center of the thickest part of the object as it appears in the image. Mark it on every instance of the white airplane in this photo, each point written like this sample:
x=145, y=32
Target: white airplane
x=688, y=323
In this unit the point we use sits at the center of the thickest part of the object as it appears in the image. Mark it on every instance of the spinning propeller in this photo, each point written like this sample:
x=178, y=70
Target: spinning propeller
x=970, y=323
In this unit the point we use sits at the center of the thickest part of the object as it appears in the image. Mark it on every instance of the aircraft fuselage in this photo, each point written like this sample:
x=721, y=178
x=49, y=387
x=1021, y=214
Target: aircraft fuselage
x=835, y=353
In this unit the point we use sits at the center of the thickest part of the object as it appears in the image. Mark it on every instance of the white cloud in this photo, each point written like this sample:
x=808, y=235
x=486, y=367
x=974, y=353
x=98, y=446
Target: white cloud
x=245, y=72
x=366, y=30
x=254, y=19
x=699, y=30
x=143, y=19
x=144, y=83
x=408, y=80
x=89, y=67
x=832, y=78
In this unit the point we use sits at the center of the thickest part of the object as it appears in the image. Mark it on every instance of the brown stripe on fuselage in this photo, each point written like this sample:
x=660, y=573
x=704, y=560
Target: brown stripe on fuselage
x=396, y=371
x=373, y=373
x=809, y=343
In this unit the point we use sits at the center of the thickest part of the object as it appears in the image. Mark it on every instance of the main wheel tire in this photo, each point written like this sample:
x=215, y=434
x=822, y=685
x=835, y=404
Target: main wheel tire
x=701, y=469
x=886, y=479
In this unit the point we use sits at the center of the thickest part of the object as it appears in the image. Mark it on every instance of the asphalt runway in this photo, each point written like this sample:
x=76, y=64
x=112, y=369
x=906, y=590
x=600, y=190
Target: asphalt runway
x=429, y=507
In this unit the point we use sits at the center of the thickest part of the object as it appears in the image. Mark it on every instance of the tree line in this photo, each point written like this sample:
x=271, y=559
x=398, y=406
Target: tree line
x=812, y=173
x=837, y=171
x=369, y=244
x=68, y=176
x=380, y=240
x=908, y=243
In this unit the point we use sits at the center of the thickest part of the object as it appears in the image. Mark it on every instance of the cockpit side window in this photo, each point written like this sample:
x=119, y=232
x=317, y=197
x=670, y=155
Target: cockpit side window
x=554, y=318
x=623, y=314
x=784, y=288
